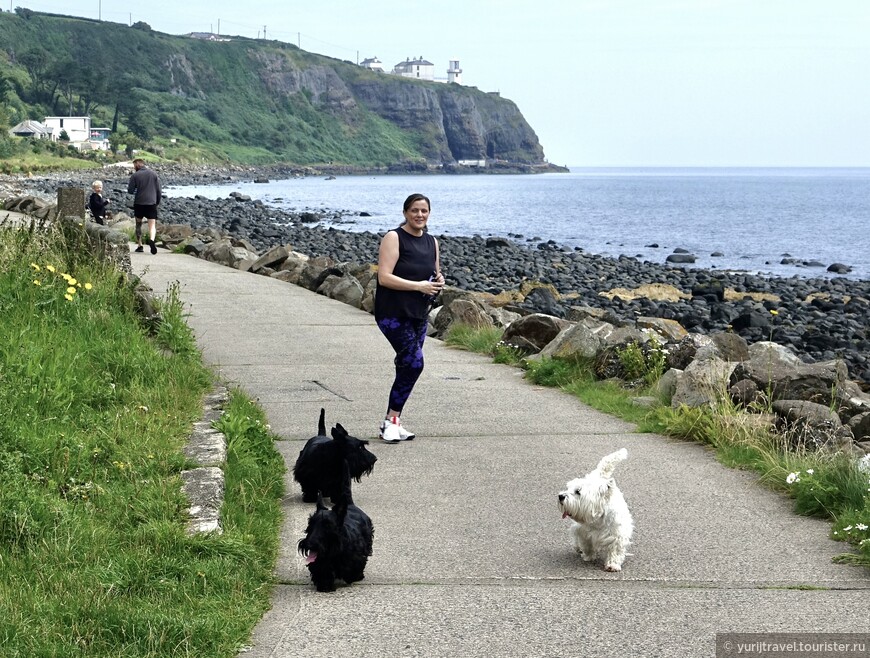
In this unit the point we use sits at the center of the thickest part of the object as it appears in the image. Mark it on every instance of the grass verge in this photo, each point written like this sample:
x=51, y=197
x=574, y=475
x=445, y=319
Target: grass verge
x=94, y=410
x=825, y=485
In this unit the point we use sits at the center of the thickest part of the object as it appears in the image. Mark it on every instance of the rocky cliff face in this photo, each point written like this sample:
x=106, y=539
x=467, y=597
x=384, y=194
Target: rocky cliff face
x=449, y=122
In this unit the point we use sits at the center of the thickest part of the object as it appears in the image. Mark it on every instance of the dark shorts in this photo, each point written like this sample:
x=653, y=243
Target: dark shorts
x=144, y=212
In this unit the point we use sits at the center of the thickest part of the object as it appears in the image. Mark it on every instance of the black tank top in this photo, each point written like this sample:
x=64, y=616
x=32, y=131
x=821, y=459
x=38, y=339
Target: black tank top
x=416, y=263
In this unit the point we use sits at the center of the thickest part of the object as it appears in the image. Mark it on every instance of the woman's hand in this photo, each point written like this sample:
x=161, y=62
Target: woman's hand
x=432, y=287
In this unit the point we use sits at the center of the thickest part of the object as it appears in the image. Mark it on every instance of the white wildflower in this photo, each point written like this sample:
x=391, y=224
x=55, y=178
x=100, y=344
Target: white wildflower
x=792, y=478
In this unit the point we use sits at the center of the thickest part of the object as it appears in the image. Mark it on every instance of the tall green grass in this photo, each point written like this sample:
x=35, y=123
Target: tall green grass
x=822, y=484
x=94, y=410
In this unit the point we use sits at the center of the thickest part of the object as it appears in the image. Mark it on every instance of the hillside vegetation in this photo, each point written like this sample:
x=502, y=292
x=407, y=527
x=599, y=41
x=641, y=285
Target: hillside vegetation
x=95, y=406
x=244, y=100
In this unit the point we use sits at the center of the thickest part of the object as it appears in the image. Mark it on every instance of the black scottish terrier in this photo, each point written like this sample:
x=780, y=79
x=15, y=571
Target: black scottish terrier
x=337, y=542
x=320, y=466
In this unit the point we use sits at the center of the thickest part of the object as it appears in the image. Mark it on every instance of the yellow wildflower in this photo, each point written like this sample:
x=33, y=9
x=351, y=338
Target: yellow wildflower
x=71, y=290
x=68, y=297
x=37, y=282
x=88, y=286
x=774, y=312
x=36, y=267
x=72, y=281
x=50, y=268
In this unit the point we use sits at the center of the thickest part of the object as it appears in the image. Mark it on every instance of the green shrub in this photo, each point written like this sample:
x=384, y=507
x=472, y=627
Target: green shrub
x=645, y=362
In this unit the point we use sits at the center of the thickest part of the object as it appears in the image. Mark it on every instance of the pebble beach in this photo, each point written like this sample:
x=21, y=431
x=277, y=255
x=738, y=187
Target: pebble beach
x=820, y=318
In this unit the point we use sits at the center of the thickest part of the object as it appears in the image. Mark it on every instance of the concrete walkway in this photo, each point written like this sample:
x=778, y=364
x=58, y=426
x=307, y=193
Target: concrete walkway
x=471, y=557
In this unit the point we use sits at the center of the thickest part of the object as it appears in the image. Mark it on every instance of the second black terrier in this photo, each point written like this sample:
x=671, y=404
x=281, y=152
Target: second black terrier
x=337, y=542
x=320, y=466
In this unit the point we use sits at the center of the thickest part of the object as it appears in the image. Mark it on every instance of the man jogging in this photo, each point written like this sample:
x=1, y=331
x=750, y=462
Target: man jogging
x=145, y=185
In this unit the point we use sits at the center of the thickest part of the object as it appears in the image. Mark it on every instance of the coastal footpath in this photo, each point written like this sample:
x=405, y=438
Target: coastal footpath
x=714, y=551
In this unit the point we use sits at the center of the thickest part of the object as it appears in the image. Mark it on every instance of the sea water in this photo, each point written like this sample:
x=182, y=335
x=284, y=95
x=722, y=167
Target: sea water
x=753, y=217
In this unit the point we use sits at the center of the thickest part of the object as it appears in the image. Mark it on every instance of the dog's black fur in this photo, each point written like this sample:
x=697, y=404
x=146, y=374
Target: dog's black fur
x=320, y=466
x=338, y=541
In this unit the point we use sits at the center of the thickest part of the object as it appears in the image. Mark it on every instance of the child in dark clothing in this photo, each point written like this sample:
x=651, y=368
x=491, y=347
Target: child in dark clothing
x=97, y=204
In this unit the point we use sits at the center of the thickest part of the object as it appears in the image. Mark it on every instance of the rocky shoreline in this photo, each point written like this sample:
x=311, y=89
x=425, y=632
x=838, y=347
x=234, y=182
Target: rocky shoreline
x=819, y=318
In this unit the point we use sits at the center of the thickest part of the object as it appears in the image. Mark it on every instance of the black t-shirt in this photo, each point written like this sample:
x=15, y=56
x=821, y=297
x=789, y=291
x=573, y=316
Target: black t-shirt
x=416, y=263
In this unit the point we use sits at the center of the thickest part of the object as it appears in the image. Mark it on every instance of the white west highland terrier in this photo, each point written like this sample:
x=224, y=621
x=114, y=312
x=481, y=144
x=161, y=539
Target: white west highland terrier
x=602, y=525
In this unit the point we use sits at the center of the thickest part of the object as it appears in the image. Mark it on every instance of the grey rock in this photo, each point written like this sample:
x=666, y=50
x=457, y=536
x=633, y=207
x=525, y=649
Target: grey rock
x=536, y=330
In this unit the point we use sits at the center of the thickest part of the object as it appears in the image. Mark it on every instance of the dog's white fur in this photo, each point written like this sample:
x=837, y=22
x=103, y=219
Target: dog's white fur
x=602, y=525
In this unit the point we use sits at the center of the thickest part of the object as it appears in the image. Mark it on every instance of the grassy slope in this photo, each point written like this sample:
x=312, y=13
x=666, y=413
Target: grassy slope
x=94, y=557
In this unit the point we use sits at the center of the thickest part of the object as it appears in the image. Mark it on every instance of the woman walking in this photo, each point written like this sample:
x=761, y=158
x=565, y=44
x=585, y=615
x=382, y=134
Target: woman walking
x=409, y=279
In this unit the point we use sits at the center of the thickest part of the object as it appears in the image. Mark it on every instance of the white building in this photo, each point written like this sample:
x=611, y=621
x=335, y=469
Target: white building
x=80, y=132
x=373, y=63
x=78, y=129
x=454, y=73
x=419, y=69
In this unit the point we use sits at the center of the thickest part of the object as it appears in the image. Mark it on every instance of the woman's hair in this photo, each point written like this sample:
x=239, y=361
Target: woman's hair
x=414, y=198
x=97, y=183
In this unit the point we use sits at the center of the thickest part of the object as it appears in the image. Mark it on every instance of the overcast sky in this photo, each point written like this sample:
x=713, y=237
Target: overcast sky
x=602, y=82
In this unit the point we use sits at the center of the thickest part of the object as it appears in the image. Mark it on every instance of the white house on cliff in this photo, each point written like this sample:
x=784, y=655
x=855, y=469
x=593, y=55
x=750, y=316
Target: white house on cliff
x=419, y=69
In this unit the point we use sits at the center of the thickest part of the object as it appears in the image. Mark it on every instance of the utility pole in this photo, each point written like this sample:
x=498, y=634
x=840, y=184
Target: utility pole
x=299, y=39
x=100, y=11
x=219, y=26
x=264, y=32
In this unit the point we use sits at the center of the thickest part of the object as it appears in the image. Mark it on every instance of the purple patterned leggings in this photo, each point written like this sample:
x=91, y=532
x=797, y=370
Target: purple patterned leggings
x=406, y=336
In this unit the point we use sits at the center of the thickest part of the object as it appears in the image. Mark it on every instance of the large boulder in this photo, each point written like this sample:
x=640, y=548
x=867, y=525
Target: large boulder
x=860, y=426
x=585, y=339
x=291, y=268
x=690, y=347
x=730, y=346
x=272, y=259
x=704, y=382
x=501, y=317
x=808, y=425
x=173, y=234
x=465, y=311
x=535, y=331
x=543, y=300
x=671, y=330
x=192, y=247
x=223, y=252
x=345, y=289
x=777, y=371
x=313, y=273
x=368, y=301
x=667, y=384
x=850, y=400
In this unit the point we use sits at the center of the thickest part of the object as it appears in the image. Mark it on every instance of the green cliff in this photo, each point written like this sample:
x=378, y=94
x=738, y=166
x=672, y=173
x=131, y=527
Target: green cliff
x=245, y=100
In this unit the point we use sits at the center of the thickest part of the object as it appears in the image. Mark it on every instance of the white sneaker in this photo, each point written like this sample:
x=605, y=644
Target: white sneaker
x=391, y=430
